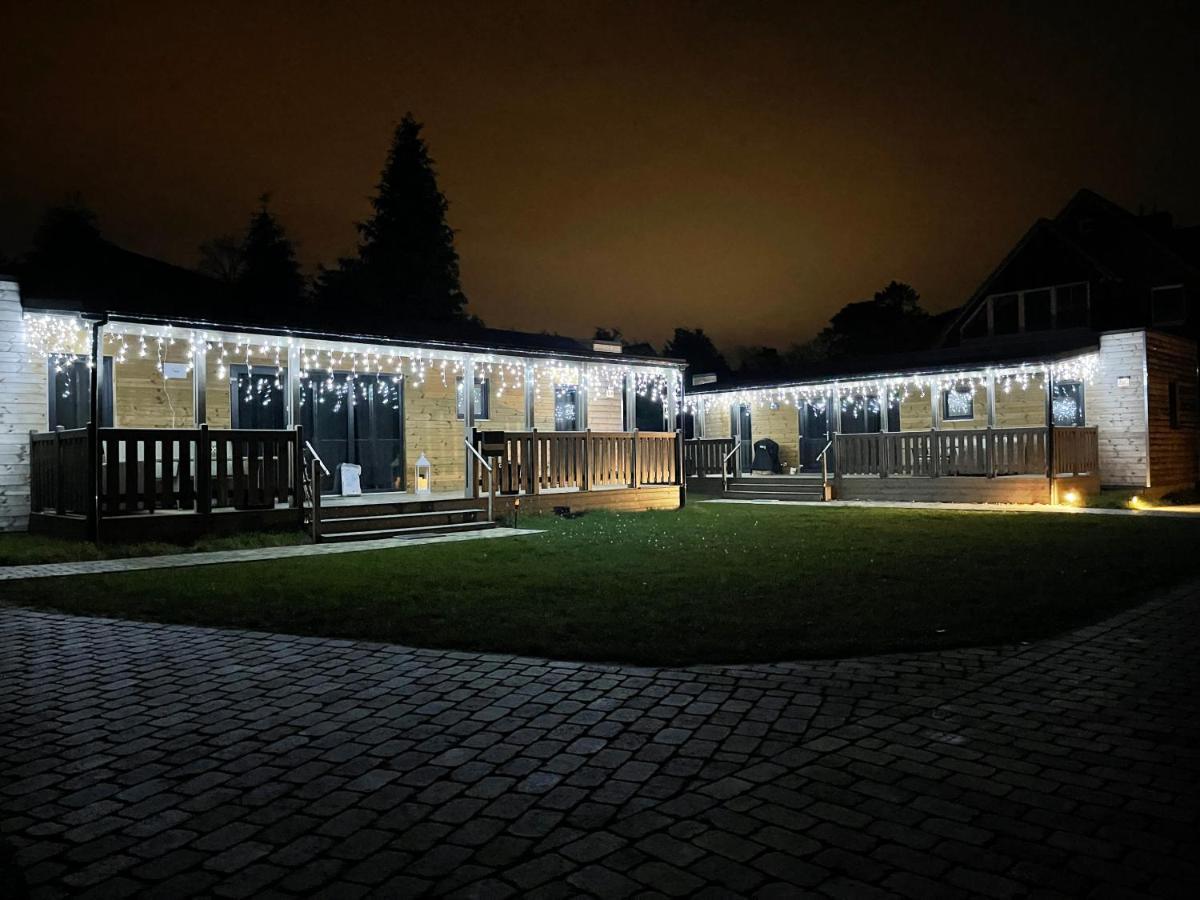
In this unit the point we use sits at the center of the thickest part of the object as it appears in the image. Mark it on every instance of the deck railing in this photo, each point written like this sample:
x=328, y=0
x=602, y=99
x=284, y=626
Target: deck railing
x=535, y=461
x=59, y=471
x=122, y=471
x=989, y=452
x=706, y=456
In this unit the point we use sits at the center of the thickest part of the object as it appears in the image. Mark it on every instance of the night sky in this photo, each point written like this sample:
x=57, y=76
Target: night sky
x=745, y=168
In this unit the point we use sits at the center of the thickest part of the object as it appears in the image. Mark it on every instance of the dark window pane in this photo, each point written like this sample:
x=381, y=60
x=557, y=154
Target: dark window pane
x=958, y=405
x=378, y=442
x=1071, y=306
x=1168, y=306
x=481, y=398
x=1068, y=403
x=566, y=416
x=70, y=384
x=1037, y=310
x=1005, y=315
x=976, y=326
x=649, y=413
x=259, y=397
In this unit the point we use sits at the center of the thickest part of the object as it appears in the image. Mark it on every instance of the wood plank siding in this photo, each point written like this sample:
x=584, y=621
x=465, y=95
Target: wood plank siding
x=1173, y=446
x=1115, y=402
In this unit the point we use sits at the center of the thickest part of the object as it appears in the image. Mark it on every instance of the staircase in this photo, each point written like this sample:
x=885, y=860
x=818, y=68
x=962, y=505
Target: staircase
x=405, y=518
x=776, y=487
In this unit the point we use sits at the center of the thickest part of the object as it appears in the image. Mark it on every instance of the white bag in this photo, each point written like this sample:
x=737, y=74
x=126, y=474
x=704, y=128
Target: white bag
x=351, y=479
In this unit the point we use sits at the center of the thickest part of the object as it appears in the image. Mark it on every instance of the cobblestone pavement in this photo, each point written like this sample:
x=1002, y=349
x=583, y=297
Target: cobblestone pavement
x=173, y=761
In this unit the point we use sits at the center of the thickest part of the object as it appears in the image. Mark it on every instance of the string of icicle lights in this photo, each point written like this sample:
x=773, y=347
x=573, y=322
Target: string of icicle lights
x=330, y=371
x=864, y=394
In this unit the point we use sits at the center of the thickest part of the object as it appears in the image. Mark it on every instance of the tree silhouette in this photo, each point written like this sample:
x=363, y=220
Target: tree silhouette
x=269, y=280
x=406, y=271
x=221, y=258
x=698, y=349
x=892, y=321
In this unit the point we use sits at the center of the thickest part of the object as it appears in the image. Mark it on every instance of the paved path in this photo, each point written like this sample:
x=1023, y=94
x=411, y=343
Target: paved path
x=1170, y=512
x=216, y=557
x=172, y=761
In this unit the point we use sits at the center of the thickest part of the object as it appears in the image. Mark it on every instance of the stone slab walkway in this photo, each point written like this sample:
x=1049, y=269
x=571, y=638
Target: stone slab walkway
x=217, y=557
x=168, y=761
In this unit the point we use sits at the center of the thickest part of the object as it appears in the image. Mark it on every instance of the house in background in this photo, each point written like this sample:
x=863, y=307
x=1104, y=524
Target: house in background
x=136, y=405
x=1072, y=366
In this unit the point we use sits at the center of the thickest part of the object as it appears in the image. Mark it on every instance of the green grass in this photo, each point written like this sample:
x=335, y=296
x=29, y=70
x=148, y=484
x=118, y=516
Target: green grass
x=30, y=549
x=712, y=583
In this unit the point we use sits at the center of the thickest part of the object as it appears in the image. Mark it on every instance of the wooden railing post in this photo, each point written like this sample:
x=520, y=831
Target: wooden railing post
x=298, y=469
x=635, y=475
x=989, y=454
x=60, y=500
x=935, y=454
x=204, y=472
x=316, y=498
x=535, y=464
x=585, y=475
x=92, y=492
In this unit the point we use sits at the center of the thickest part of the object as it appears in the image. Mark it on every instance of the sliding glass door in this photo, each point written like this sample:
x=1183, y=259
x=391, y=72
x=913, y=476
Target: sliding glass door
x=356, y=420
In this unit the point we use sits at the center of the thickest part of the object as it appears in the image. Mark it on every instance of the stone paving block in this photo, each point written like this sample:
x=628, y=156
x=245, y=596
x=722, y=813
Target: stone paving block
x=178, y=761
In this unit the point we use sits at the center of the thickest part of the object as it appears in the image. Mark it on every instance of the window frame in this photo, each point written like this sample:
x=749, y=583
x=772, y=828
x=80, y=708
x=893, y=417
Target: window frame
x=1081, y=406
x=104, y=387
x=946, y=417
x=236, y=370
x=574, y=389
x=485, y=399
x=988, y=309
x=1183, y=309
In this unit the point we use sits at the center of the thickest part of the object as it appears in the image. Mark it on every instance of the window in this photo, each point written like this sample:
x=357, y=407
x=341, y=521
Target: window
x=977, y=325
x=1068, y=403
x=1006, y=316
x=70, y=384
x=957, y=405
x=1039, y=316
x=481, y=398
x=258, y=397
x=1183, y=410
x=1168, y=305
x=1063, y=306
x=566, y=409
x=1071, y=306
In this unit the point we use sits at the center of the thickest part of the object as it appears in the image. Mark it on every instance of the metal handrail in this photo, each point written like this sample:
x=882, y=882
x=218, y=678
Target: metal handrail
x=316, y=457
x=737, y=445
x=487, y=465
x=823, y=456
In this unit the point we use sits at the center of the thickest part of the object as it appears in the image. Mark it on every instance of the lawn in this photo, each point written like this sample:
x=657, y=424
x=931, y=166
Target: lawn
x=712, y=583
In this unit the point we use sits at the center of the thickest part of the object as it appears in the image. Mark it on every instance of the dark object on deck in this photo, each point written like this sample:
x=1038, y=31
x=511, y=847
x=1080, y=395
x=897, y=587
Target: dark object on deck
x=766, y=457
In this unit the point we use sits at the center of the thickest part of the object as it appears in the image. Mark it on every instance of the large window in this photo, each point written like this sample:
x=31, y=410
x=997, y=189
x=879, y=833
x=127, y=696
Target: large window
x=566, y=407
x=1168, y=305
x=70, y=384
x=1041, y=309
x=258, y=397
x=1067, y=403
x=481, y=399
x=958, y=405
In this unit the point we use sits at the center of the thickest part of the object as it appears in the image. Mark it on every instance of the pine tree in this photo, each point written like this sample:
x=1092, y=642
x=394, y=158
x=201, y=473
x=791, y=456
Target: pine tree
x=407, y=268
x=269, y=279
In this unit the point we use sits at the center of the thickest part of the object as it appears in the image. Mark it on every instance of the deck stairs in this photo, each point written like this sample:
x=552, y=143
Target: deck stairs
x=775, y=487
x=398, y=519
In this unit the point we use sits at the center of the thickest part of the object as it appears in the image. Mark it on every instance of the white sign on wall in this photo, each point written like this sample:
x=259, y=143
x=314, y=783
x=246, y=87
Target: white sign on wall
x=175, y=370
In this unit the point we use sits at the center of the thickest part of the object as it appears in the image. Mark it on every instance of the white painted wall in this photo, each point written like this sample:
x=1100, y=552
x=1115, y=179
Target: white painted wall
x=23, y=408
x=1118, y=411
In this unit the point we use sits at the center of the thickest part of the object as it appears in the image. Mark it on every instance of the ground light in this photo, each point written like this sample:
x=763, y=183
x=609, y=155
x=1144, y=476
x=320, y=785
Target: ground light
x=1071, y=497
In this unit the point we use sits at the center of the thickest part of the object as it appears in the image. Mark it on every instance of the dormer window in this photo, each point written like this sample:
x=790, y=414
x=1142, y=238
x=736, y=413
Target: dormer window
x=1039, y=309
x=1168, y=305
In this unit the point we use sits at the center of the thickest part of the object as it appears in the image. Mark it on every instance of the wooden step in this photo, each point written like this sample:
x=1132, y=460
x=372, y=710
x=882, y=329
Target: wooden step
x=391, y=521
x=397, y=507
x=806, y=497
x=419, y=531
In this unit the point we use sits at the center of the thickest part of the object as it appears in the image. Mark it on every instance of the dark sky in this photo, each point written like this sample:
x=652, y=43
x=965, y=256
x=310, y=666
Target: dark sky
x=746, y=168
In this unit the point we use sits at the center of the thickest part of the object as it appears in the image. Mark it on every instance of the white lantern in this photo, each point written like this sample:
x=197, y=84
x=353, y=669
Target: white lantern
x=424, y=475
